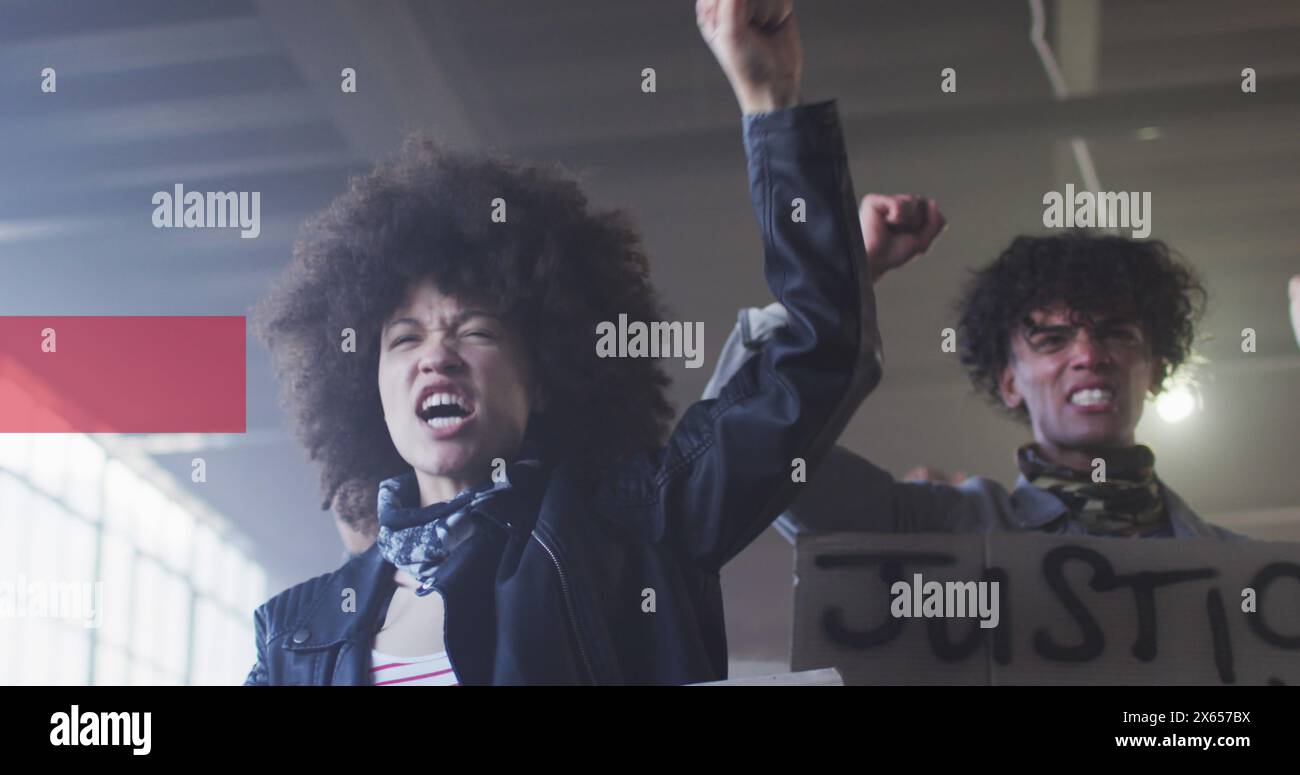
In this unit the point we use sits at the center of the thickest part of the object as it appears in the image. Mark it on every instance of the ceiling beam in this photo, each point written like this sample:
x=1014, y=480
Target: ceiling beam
x=401, y=82
x=1099, y=116
x=103, y=52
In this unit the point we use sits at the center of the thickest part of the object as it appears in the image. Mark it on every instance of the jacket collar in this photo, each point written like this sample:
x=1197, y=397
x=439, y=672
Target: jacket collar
x=368, y=580
x=1185, y=522
x=1036, y=507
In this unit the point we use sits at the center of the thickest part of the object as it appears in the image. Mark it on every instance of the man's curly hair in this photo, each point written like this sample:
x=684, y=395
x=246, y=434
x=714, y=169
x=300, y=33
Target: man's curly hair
x=555, y=269
x=1093, y=276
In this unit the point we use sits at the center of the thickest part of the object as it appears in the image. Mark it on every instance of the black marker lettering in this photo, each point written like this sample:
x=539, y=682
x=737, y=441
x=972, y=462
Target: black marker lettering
x=891, y=570
x=1257, y=623
x=1144, y=585
x=1093, y=641
x=1220, y=636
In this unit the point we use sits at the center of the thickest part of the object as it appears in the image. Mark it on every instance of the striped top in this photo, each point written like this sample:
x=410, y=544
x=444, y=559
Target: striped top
x=433, y=670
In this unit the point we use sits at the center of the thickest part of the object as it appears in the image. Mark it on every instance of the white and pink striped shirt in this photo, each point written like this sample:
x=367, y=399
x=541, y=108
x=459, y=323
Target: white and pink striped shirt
x=433, y=670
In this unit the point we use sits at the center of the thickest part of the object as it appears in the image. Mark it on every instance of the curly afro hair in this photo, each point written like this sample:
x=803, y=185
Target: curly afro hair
x=555, y=268
x=1093, y=276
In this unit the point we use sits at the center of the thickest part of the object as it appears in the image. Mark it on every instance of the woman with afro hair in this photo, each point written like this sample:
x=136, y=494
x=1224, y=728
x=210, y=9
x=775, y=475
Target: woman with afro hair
x=535, y=521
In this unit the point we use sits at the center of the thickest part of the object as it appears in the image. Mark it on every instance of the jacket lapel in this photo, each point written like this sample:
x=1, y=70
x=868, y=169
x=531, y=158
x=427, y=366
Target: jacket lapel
x=1185, y=522
x=342, y=618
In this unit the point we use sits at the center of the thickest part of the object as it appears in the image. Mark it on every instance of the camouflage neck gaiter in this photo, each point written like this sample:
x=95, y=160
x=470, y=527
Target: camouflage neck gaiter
x=1126, y=504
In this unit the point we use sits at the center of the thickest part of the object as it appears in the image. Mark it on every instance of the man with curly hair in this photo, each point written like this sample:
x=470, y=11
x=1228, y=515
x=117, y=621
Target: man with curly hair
x=533, y=525
x=1069, y=334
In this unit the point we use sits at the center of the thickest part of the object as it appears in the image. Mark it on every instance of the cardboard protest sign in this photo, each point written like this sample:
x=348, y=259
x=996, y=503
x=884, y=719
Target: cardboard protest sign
x=881, y=609
x=824, y=677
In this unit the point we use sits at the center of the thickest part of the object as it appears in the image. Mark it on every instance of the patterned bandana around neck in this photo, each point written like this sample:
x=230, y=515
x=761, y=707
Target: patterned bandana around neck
x=1127, y=504
x=418, y=539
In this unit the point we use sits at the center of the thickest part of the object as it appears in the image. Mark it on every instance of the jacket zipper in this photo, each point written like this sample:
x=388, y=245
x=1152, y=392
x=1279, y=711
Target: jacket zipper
x=568, y=604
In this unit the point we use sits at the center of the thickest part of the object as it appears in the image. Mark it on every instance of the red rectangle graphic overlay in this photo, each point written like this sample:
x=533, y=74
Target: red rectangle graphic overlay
x=149, y=374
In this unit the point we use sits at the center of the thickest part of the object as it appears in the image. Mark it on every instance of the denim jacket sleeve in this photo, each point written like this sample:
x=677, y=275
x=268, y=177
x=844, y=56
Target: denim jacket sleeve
x=728, y=468
x=257, y=675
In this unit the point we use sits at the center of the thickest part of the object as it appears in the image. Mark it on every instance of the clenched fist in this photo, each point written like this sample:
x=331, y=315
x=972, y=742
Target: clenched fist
x=757, y=44
x=897, y=229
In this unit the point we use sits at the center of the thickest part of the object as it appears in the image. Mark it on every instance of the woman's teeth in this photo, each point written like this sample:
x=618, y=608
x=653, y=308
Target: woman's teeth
x=441, y=399
x=443, y=410
x=1092, y=397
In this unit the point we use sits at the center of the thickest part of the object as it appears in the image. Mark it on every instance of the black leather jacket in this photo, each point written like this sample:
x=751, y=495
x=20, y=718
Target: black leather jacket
x=558, y=594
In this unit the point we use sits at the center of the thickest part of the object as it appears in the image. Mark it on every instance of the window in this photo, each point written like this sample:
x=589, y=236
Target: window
x=114, y=581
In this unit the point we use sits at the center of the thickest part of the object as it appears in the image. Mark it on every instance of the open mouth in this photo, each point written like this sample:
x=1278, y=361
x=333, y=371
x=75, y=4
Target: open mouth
x=443, y=410
x=1093, y=397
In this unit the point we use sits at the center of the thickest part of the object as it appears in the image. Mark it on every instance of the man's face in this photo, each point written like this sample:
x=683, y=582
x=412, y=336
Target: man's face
x=1084, y=386
x=455, y=385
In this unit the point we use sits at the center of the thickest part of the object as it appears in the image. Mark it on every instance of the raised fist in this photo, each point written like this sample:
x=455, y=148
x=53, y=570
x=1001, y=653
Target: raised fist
x=757, y=44
x=897, y=228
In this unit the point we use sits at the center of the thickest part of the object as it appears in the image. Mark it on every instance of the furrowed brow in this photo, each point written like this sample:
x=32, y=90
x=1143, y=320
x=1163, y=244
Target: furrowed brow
x=475, y=313
x=397, y=322
x=459, y=319
x=1032, y=328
